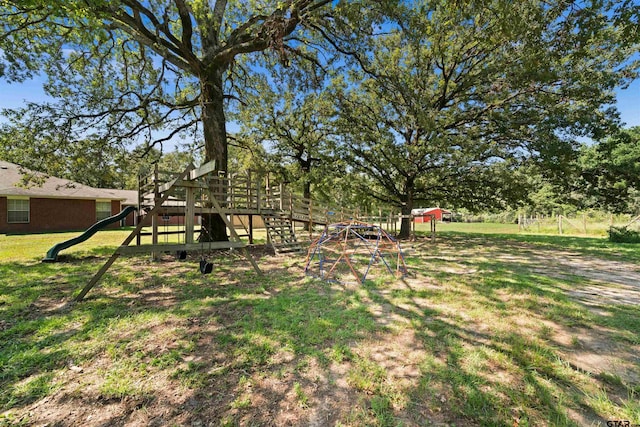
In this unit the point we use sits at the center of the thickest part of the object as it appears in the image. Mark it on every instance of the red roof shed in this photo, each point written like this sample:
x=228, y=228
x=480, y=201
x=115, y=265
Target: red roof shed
x=424, y=214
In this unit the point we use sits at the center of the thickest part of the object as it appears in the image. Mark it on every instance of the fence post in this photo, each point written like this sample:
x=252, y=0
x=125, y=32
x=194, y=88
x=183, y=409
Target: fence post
x=559, y=224
x=433, y=228
x=584, y=223
x=519, y=222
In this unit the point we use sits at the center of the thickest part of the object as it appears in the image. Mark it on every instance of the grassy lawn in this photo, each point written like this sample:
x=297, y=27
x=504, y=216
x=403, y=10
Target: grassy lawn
x=593, y=229
x=471, y=227
x=488, y=329
x=23, y=247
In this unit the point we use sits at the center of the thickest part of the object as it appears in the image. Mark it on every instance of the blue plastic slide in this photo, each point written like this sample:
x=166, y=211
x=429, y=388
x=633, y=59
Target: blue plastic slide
x=52, y=254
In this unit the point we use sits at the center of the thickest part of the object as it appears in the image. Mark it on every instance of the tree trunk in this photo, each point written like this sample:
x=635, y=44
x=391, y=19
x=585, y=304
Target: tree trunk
x=405, y=224
x=305, y=166
x=215, y=144
x=407, y=207
x=306, y=191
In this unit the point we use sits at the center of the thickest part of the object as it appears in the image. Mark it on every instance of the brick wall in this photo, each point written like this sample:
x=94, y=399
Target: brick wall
x=55, y=215
x=3, y=214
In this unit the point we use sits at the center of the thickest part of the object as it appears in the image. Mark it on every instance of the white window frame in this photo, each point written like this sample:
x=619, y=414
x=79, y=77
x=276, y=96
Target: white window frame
x=100, y=213
x=9, y=210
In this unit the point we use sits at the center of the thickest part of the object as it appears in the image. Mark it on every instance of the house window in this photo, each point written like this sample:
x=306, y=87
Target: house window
x=103, y=210
x=18, y=210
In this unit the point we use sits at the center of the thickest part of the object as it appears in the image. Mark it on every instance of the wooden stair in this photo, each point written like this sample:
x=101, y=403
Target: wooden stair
x=281, y=234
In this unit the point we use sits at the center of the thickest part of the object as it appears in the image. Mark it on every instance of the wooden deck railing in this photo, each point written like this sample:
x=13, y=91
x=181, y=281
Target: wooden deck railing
x=242, y=194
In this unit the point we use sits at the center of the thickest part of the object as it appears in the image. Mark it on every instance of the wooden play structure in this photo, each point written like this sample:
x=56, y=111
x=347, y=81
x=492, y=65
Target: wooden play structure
x=200, y=191
x=244, y=202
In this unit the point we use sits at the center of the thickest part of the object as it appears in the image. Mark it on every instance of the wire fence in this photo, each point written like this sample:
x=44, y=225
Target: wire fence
x=578, y=224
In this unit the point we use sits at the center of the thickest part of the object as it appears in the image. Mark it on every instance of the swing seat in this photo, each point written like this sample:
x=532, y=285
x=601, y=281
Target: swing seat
x=181, y=255
x=205, y=266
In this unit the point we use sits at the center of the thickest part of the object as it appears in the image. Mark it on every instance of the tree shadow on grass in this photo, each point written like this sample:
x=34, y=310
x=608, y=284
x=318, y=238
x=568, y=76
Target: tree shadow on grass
x=481, y=372
x=229, y=347
x=160, y=344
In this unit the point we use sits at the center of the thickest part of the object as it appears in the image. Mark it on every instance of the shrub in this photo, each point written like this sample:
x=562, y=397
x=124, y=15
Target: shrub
x=623, y=235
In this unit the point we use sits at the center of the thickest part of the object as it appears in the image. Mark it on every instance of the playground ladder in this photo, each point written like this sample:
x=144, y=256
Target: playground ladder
x=281, y=233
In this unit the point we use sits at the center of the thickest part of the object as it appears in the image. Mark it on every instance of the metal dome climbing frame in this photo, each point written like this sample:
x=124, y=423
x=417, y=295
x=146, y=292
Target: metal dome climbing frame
x=354, y=247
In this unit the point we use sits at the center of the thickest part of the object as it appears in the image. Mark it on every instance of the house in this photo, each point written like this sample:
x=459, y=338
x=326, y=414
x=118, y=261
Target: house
x=55, y=204
x=424, y=214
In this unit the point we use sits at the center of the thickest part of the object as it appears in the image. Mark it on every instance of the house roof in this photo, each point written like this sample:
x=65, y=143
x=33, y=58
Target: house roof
x=11, y=178
x=128, y=197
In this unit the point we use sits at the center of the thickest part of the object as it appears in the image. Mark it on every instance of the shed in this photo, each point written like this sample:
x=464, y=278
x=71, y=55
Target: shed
x=422, y=215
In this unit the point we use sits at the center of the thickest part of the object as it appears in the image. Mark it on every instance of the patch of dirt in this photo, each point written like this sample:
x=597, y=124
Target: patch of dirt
x=593, y=350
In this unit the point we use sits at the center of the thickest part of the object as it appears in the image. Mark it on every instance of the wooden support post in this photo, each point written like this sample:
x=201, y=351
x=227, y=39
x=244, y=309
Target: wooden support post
x=433, y=228
x=250, y=229
x=232, y=231
x=584, y=223
x=267, y=191
x=231, y=189
x=128, y=240
x=291, y=207
x=258, y=197
x=249, y=191
x=138, y=214
x=310, y=228
x=281, y=196
x=189, y=215
x=154, y=216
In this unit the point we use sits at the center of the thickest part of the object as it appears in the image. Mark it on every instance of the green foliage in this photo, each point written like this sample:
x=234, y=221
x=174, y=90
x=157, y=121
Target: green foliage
x=610, y=171
x=85, y=160
x=119, y=72
x=292, y=124
x=431, y=113
x=624, y=235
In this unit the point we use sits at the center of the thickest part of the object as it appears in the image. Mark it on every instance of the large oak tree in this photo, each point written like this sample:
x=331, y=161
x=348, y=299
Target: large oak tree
x=125, y=70
x=445, y=107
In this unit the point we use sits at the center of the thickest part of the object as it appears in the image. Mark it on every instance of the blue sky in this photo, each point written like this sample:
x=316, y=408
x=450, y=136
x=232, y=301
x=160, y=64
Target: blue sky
x=629, y=104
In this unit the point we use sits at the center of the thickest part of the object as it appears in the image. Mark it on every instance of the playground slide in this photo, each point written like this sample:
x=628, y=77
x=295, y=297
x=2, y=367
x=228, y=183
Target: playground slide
x=52, y=254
